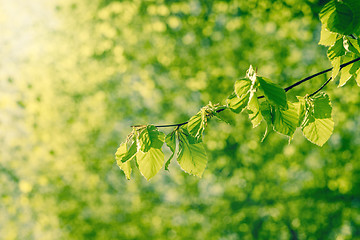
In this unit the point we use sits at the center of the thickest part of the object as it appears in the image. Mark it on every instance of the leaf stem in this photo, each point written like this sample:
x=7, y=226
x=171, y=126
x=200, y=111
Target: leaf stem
x=286, y=89
x=322, y=86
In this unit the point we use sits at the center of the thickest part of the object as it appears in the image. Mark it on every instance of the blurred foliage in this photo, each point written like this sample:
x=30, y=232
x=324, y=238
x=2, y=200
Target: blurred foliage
x=76, y=74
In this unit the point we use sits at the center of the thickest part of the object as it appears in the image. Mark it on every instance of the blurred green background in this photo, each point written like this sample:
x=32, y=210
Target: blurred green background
x=74, y=75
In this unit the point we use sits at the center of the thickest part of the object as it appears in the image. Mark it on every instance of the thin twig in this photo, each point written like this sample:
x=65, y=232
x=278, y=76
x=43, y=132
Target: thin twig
x=286, y=89
x=322, y=86
x=172, y=125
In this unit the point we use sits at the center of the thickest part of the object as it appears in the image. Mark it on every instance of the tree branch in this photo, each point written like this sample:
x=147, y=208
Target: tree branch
x=286, y=89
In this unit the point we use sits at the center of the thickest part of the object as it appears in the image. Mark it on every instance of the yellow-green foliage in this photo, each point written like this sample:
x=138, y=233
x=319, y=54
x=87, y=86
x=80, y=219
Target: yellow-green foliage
x=74, y=75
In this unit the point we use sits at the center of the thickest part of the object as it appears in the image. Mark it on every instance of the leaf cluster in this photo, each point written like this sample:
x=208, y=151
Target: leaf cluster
x=261, y=99
x=339, y=32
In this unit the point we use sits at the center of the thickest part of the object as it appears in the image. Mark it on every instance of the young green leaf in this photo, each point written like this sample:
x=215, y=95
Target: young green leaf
x=254, y=110
x=266, y=112
x=125, y=153
x=337, y=50
x=352, y=45
x=355, y=8
x=286, y=121
x=234, y=103
x=170, y=141
x=345, y=75
x=273, y=93
x=317, y=131
x=318, y=124
x=358, y=77
x=350, y=70
x=238, y=100
x=242, y=87
x=301, y=107
x=150, y=162
x=237, y=104
x=336, y=62
x=191, y=156
x=119, y=155
x=327, y=38
x=150, y=137
x=126, y=167
x=337, y=17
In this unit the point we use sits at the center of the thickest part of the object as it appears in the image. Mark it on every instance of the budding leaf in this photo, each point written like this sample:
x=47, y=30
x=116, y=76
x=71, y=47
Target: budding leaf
x=197, y=124
x=191, y=156
x=273, y=93
x=318, y=124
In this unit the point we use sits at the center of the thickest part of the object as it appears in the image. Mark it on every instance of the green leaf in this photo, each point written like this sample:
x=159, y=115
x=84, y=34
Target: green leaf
x=318, y=124
x=327, y=38
x=336, y=62
x=355, y=8
x=238, y=100
x=150, y=162
x=286, y=121
x=221, y=118
x=237, y=104
x=242, y=87
x=273, y=93
x=197, y=124
x=352, y=45
x=337, y=17
x=265, y=109
x=337, y=50
x=150, y=137
x=345, y=75
x=254, y=110
x=301, y=107
x=350, y=70
x=322, y=106
x=318, y=131
x=191, y=156
x=125, y=153
x=119, y=155
x=126, y=167
x=171, y=143
x=326, y=12
x=358, y=77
